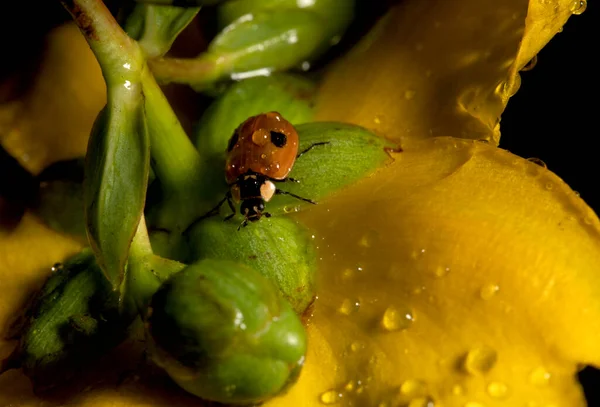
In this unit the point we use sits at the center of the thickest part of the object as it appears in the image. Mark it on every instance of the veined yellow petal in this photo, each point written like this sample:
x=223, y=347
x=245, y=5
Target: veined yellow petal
x=440, y=68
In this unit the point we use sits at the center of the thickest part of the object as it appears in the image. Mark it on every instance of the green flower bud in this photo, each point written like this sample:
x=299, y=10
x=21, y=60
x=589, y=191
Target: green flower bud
x=73, y=320
x=276, y=247
x=223, y=333
x=336, y=13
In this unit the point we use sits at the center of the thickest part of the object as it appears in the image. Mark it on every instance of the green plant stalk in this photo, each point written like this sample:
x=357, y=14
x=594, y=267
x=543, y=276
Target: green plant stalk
x=176, y=162
x=146, y=271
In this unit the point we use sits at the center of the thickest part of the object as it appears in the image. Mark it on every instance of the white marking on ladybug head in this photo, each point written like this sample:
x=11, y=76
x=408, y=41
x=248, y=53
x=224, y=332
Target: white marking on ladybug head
x=267, y=190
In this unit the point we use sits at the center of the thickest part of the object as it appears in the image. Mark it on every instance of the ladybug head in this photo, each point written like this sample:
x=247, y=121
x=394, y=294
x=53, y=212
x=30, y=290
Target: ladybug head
x=253, y=209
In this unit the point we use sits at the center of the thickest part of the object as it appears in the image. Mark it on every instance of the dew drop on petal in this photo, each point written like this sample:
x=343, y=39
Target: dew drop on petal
x=413, y=388
x=442, y=271
x=357, y=346
x=497, y=390
x=538, y=162
x=578, y=7
x=330, y=397
x=349, y=307
x=539, y=376
x=488, y=291
x=396, y=319
x=531, y=64
x=480, y=360
x=458, y=390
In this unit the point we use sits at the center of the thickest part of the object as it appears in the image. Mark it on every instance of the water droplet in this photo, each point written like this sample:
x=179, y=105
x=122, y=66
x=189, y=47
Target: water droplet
x=57, y=267
x=540, y=376
x=350, y=386
x=578, y=7
x=488, y=291
x=577, y=193
x=531, y=64
x=263, y=156
x=409, y=94
x=480, y=360
x=396, y=319
x=290, y=209
x=305, y=66
x=330, y=397
x=549, y=186
x=442, y=271
x=560, y=30
x=357, y=346
x=349, y=307
x=458, y=390
x=511, y=87
x=422, y=402
x=377, y=120
x=497, y=390
x=538, y=162
x=413, y=388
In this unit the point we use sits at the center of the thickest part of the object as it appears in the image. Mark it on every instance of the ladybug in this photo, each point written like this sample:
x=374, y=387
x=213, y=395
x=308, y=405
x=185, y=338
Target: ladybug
x=260, y=153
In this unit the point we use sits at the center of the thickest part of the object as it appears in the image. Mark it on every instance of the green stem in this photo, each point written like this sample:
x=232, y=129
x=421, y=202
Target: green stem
x=195, y=71
x=146, y=271
x=176, y=161
x=118, y=55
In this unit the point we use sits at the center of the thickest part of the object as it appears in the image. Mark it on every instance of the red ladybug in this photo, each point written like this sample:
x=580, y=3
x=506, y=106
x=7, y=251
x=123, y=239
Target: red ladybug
x=261, y=151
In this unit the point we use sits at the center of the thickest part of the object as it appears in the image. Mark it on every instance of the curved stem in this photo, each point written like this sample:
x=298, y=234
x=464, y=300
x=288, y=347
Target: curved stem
x=118, y=55
x=194, y=71
x=146, y=271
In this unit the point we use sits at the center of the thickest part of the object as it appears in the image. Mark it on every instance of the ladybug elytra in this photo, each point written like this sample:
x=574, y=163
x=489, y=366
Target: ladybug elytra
x=260, y=153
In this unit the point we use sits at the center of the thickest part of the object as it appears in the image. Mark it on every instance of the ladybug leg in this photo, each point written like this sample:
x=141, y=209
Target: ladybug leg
x=306, y=150
x=285, y=180
x=230, y=207
x=214, y=211
x=281, y=192
x=243, y=224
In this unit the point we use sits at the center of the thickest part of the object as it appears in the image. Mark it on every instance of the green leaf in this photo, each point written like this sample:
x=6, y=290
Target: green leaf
x=117, y=166
x=157, y=27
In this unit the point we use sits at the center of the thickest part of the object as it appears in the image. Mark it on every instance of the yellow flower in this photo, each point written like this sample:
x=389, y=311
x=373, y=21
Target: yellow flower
x=460, y=275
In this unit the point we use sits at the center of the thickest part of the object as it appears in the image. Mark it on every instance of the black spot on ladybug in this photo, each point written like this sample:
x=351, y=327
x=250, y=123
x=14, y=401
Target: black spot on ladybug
x=279, y=139
x=233, y=141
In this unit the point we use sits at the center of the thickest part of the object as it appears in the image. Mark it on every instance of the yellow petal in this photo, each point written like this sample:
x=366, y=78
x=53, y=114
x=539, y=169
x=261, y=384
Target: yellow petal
x=474, y=269
x=440, y=68
x=53, y=121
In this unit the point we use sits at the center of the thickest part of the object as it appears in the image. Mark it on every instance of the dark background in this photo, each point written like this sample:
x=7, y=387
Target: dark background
x=552, y=117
